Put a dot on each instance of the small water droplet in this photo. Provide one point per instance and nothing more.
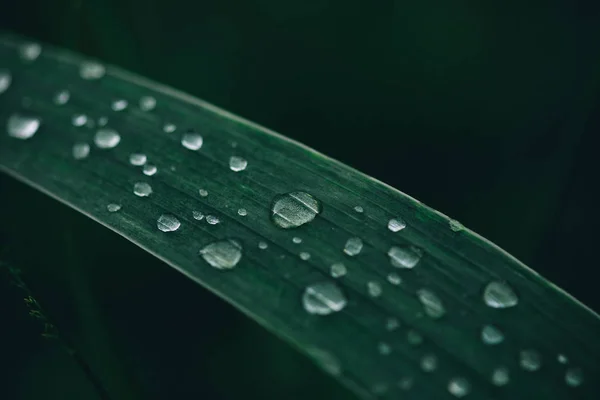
(574, 376)
(30, 51)
(169, 128)
(91, 70)
(147, 103)
(391, 324)
(102, 121)
(203, 192)
(237, 164)
(223, 254)
(191, 140)
(431, 303)
(353, 246)
(491, 335)
(119, 104)
(405, 383)
(394, 278)
(167, 223)
(459, 387)
(338, 270)
(384, 348)
(455, 226)
(80, 151)
(304, 255)
(262, 245)
(374, 289)
(106, 138)
(294, 209)
(499, 295)
(212, 220)
(297, 240)
(530, 360)
(61, 97)
(326, 361)
(242, 212)
(562, 359)
(5, 80)
(79, 119)
(500, 376)
(197, 215)
(22, 126)
(414, 338)
(137, 159)
(405, 256)
(396, 224)
(142, 189)
(359, 209)
(149, 169)
(323, 298)
(429, 363)
(113, 207)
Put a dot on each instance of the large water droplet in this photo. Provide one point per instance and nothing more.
(5, 80)
(396, 224)
(147, 103)
(353, 246)
(113, 207)
(429, 363)
(191, 140)
(530, 360)
(432, 304)
(323, 298)
(405, 256)
(91, 70)
(79, 119)
(374, 289)
(224, 254)
(22, 126)
(212, 220)
(80, 151)
(499, 295)
(106, 138)
(61, 97)
(149, 169)
(491, 335)
(294, 209)
(167, 223)
(574, 376)
(119, 104)
(338, 270)
(137, 159)
(142, 189)
(237, 164)
(30, 51)
(459, 387)
(500, 376)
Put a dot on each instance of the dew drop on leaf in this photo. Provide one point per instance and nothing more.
(212, 220)
(149, 169)
(5, 80)
(396, 224)
(499, 295)
(491, 335)
(61, 97)
(223, 254)
(237, 164)
(323, 298)
(242, 212)
(119, 104)
(405, 256)
(338, 270)
(304, 255)
(80, 151)
(562, 359)
(530, 360)
(262, 245)
(359, 209)
(142, 189)
(147, 103)
(203, 192)
(394, 278)
(30, 51)
(113, 207)
(391, 324)
(459, 387)
(197, 215)
(574, 377)
(137, 159)
(384, 348)
(294, 209)
(297, 240)
(374, 289)
(106, 138)
(168, 128)
(22, 126)
(353, 246)
(191, 140)
(500, 376)
(79, 119)
(167, 223)
(432, 304)
(91, 70)
(429, 363)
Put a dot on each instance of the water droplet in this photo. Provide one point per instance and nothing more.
(459, 387)
(203, 192)
(5, 80)
(197, 215)
(429, 363)
(491, 335)
(91, 70)
(169, 128)
(102, 121)
(574, 376)
(22, 126)
(80, 151)
(530, 360)
(191, 140)
(262, 245)
(394, 278)
(297, 240)
(374, 289)
(323, 298)
(396, 224)
(79, 119)
(142, 189)
(167, 223)
(137, 159)
(61, 97)
(113, 207)
(304, 255)
(294, 209)
(212, 220)
(223, 254)
(149, 169)
(405, 383)
(338, 270)
(500, 376)
(499, 295)
(456, 226)
(237, 164)
(30, 51)
(405, 256)
(353, 246)
(414, 338)
(431, 303)
(391, 324)
(384, 348)
(106, 138)
(119, 104)
(562, 359)
(326, 360)
(242, 212)
(147, 103)
(359, 209)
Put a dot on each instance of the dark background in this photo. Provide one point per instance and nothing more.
(485, 110)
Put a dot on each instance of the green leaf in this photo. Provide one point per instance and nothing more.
(408, 314)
